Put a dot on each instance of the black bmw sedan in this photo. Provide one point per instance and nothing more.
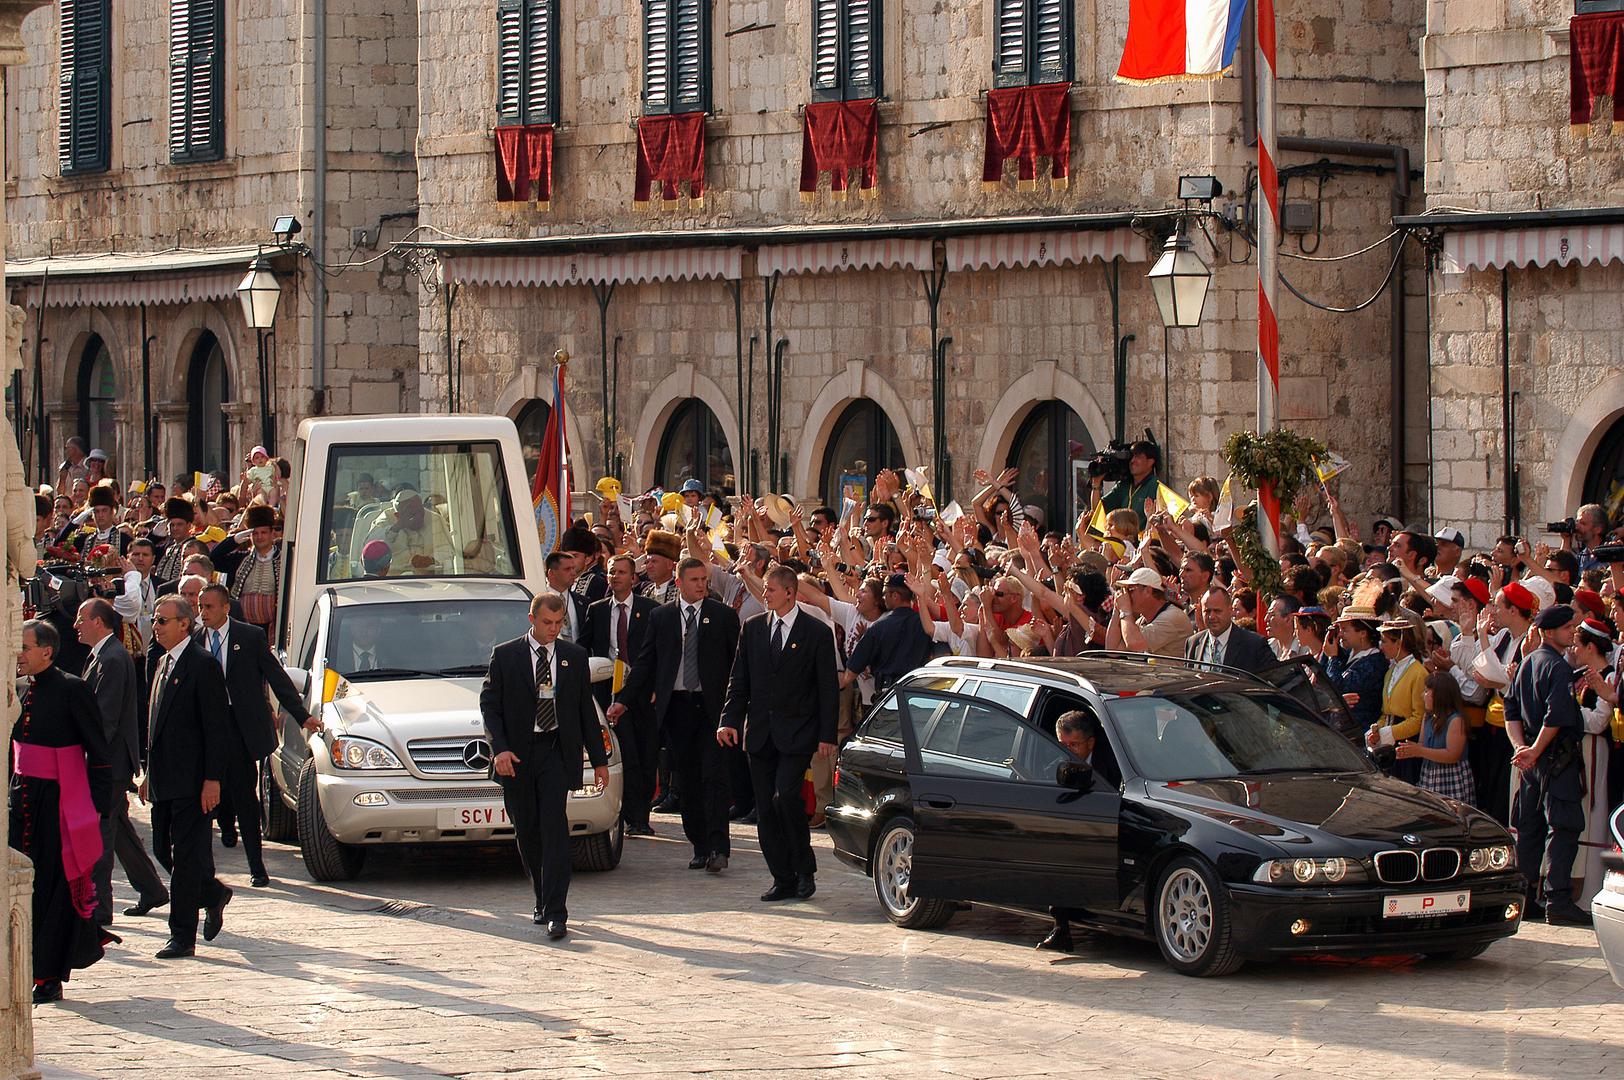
(1214, 814)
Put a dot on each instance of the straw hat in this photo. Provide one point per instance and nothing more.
(1362, 607)
(778, 509)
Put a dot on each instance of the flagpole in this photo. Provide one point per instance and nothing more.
(1268, 234)
(561, 360)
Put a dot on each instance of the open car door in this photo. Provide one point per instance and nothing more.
(1304, 679)
(992, 823)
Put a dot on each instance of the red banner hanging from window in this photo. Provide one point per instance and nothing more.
(524, 164)
(1597, 44)
(1025, 123)
(670, 151)
(839, 138)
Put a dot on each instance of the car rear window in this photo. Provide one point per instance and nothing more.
(1204, 736)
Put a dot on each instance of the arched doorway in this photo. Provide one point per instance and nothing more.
(98, 390)
(1604, 480)
(1049, 449)
(861, 443)
(208, 429)
(694, 446)
(532, 425)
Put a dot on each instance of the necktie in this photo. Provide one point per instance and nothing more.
(621, 631)
(158, 689)
(214, 647)
(364, 660)
(778, 638)
(546, 714)
(690, 651)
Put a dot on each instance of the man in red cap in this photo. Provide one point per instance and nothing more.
(375, 558)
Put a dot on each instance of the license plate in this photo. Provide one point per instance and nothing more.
(1449, 903)
(473, 817)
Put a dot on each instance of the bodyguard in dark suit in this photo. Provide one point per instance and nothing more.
(783, 698)
(1545, 729)
(538, 710)
(682, 671)
(186, 762)
(244, 655)
(1222, 642)
(615, 629)
(110, 674)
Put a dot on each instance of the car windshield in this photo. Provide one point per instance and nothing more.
(417, 510)
(428, 638)
(1204, 736)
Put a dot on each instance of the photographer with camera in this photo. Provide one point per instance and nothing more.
(1133, 467)
(1582, 532)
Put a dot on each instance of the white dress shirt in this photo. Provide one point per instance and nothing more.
(552, 656)
(225, 642)
(787, 620)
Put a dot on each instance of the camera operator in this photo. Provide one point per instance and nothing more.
(1585, 530)
(1144, 458)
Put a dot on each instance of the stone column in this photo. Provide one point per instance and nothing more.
(16, 522)
(173, 418)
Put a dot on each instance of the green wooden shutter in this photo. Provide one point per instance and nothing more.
(509, 62)
(1051, 41)
(690, 56)
(826, 50)
(540, 63)
(196, 80)
(84, 134)
(1010, 43)
(657, 56)
(863, 57)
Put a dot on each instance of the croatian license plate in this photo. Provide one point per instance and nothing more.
(473, 817)
(1450, 903)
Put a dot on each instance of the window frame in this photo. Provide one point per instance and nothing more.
(700, 100)
(186, 151)
(1595, 7)
(73, 158)
(521, 114)
(843, 88)
(1031, 72)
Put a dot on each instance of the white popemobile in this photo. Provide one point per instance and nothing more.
(411, 553)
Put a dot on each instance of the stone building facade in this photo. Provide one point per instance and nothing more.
(1030, 364)
(128, 269)
(1527, 216)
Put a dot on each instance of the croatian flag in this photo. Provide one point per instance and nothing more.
(1180, 39)
(550, 490)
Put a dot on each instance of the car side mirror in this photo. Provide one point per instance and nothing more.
(300, 679)
(1076, 775)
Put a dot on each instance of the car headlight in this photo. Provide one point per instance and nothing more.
(1490, 860)
(1331, 871)
(349, 752)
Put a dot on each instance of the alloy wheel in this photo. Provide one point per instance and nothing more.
(1186, 915)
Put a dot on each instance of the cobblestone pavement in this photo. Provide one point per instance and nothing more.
(428, 966)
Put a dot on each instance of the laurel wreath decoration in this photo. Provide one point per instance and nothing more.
(1283, 459)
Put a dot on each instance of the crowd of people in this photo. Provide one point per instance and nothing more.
(748, 637)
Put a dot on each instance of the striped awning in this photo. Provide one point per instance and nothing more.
(994, 250)
(833, 255)
(674, 264)
(129, 279)
(1468, 249)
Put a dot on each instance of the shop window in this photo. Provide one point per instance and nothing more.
(208, 430)
(862, 442)
(1051, 451)
(98, 390)
(694, 447)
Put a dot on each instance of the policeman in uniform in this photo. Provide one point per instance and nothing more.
(1545, 728)
(894, 645)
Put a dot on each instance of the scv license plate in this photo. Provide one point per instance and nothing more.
(473, 817)
(1450, 903)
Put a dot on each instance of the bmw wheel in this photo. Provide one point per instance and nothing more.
(1191, 920)
(892, 866)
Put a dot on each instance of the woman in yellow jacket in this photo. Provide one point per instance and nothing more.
(1402, 705)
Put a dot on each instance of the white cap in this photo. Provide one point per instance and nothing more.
(1543, 590)
(1147, 577)
(1450, 535)
(1442, 591)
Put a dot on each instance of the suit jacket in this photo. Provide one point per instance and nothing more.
(250, 668)
(111, 676)
(507, 702)
(1245, 649)
(600, 634)
(659, 659)
(187, 741)
(790, 703)
(577, 614)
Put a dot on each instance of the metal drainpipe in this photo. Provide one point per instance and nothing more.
(1506, 418)
(1432, 458)
(318, 232)
(741, 452)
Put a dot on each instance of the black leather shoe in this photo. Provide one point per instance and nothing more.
(805, 886)
(259, 881)
(639, 830)
(698, 862)
(734, 813)
(716, 864)
(174, 950)
(228, 837)
(47, 991)
(215, 917)
(1059, 939)
(666, 806)
(145, 905)
(752, 818)
(556, 930)
(538, 918)
(779, 891)
(1569, 914)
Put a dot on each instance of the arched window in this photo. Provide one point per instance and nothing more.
(861, 443)
(1050, 448)
(208, 388)
(1604, 480)
(98, 389)
(694, 447)
(532, 425)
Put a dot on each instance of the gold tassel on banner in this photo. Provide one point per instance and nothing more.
(869, 193)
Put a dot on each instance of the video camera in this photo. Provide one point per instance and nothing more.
(1111, 464)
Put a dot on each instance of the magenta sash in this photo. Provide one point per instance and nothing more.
(80, 824)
